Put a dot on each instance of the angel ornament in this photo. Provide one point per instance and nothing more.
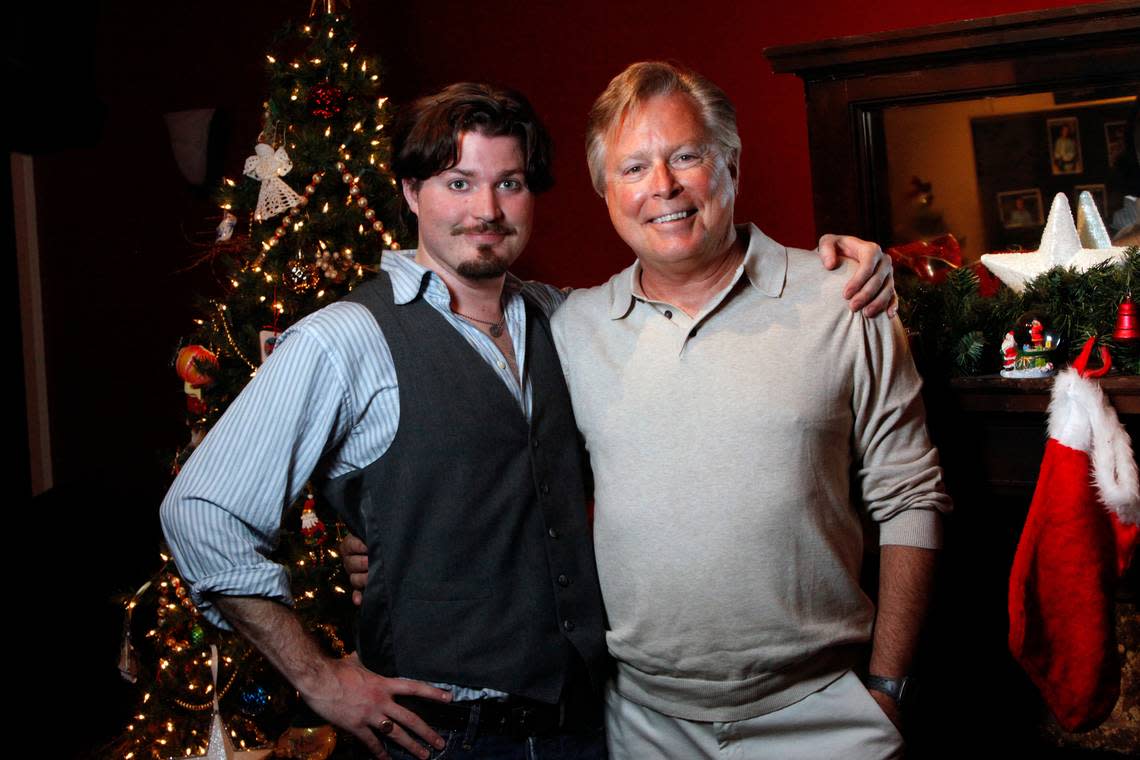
(269, 166)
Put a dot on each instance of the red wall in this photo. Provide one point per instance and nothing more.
(563, 54)
(119, 226)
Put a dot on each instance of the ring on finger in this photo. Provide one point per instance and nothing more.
(385, 726)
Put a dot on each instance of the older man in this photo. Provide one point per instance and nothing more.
(730, 405)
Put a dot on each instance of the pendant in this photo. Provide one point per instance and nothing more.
(497, 330)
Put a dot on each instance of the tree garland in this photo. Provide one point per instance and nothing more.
(955, 331)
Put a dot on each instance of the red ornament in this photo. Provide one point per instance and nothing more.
(1126, 329)
(195, 405)
(930, 260)
(325, 100)
(193, 363)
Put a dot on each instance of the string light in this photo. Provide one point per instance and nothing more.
(271, 59)
(328, 131)
(228, 181)
(230, 338)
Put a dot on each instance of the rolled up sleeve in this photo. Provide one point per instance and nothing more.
(222, 515)
(898, 470)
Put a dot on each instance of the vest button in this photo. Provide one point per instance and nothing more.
(534, 443)
(563, 581)
(544, 488)
(568, 625)
(668, 314)
(552, 533)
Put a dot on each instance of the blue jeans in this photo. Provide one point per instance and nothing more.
(471, 744)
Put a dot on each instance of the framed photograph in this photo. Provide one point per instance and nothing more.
(1098, 194)
(1065, 145)
(1116, 140)
(1020, 208)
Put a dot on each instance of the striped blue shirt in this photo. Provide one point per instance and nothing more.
(326, 398)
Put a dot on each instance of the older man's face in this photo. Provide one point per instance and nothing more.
(669, 191)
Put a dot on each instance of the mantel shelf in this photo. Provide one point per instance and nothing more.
(993, 393)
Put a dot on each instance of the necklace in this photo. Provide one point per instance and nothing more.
(495, 328)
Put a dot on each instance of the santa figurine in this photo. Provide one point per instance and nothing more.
(1009, 351)
(1037, 334)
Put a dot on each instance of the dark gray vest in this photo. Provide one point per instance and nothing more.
(481, 567)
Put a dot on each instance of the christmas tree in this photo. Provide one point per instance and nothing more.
(308, 220)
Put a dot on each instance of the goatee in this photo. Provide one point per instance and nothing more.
(487, 267)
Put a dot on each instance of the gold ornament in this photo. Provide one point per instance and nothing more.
(315, 743)
(300, 276)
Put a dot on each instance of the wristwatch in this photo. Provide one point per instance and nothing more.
(895, 688)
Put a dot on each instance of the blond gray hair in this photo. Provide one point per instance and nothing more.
(648, 79)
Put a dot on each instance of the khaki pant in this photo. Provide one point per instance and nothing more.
(838, 722)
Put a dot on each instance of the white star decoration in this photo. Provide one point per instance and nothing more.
(1061, 245)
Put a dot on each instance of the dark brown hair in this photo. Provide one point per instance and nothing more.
(425, 138)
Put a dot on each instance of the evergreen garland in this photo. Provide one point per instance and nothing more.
(957, 332)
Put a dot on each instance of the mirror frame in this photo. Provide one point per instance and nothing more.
(848, 81)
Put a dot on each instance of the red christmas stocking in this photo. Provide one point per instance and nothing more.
(1078, 539)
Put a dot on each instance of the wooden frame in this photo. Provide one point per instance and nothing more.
(849, 81)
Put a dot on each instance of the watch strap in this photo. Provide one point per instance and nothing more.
(895, 688)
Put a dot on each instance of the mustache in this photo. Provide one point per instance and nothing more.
(494, 228)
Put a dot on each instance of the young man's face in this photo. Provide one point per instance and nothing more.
(476, 217)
